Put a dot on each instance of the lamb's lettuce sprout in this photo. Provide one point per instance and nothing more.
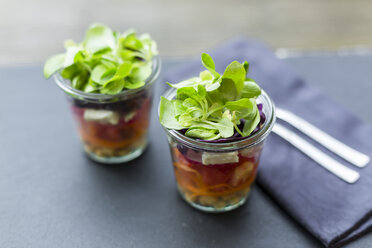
(105, 61)
(212, 106)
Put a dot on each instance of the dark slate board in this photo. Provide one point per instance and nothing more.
(51, 195)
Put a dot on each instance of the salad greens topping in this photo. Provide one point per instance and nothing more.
(105, 61)
(211, 106)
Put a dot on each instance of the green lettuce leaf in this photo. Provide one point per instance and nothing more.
(167, 113)
(54, 64)
(236, 73)
(251, 122)
(105, 61)
(250, 89)
(212, 106)
(208, 63)
(202, 133)
(99, 38)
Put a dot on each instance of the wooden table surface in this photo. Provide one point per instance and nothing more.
(31, 31)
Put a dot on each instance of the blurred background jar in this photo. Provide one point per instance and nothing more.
(113, 128)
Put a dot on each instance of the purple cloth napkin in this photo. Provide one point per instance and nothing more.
(333, 211)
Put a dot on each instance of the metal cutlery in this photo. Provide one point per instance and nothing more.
(349, 154)
(338, 169)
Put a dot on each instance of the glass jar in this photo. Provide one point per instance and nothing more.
(113, 128)
(217, 177)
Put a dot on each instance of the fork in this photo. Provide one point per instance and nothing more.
(333, 166)
(349, 154)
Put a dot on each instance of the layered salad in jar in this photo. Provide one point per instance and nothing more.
(108, 78)
(216, 126)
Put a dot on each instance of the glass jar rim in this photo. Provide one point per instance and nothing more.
(228, 146)
(65, 85)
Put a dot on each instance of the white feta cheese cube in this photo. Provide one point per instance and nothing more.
(220, 157)
(129, 116)
(242, 173)
(101, 116)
